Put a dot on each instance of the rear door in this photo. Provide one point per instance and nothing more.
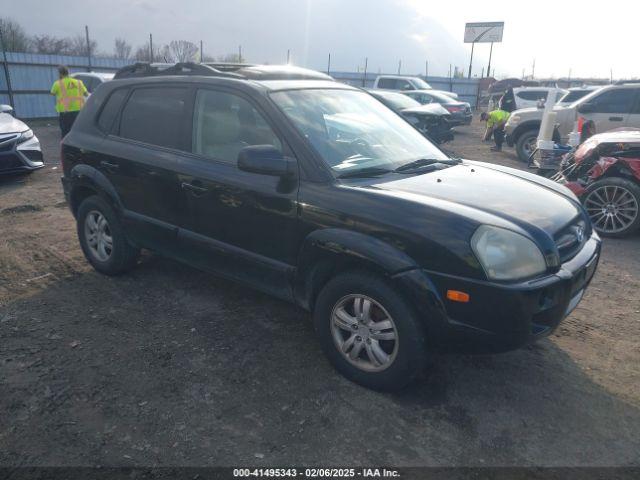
(141, 155)
(242, 224)
(633, 120)
(612, 108)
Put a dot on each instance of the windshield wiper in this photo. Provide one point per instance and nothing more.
(365, 172)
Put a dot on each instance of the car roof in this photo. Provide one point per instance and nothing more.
(101, 75)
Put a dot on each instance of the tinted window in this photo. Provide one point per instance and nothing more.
(155, 116)
(111, 109)
(532, 95)
(403, 85)
(574, 95)
(387, 83)
(223, 124)
(614, 101)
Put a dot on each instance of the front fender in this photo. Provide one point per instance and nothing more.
(326, 251)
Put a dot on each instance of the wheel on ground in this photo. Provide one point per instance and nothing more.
(614, 206)
(102, 238)
(526, 144)
(369, 332)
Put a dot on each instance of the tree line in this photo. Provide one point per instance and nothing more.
(16, 39)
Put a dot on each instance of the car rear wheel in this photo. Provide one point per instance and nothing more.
(368, 332)
(526, 144)
(102, 238)
(614, 206)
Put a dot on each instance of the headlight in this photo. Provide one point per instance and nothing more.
(514, 119)
(506, 255)
(28, 135)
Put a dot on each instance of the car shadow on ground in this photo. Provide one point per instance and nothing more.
(171, 366)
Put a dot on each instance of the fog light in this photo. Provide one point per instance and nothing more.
(456, 296)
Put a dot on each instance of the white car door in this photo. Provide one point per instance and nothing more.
(611, 109)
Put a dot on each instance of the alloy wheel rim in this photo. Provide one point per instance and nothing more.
(612, 208)
(530, 146)
(364, 333)
(98, 236)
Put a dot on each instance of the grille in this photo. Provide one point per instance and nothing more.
(33, 155)
(570, 239)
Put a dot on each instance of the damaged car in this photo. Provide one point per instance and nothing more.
(20, 150)
(604, 172)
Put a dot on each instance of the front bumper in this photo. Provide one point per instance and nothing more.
(20, 157)
(501, 317)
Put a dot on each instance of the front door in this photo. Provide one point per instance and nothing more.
(612, 108)
(242, 224)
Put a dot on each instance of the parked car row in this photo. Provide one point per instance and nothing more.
(20, 150)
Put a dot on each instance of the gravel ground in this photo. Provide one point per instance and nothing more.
(169, 366)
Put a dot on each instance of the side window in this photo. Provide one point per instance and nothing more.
(223, 124)
(559, 95)
(532, 95)
(387, 83)
(614, 101)
(111, 109)
(426, 98)
(636, 108)
(156, 116)
(403, 85)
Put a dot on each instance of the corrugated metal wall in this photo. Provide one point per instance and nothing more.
(33, 74)
(467, 89)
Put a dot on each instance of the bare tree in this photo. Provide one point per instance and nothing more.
(182, 50)
(15, 38)
(122, 49)
(78, 46)
(50, 45)
(142, 54)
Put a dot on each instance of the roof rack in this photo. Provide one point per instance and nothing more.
(228, 66)
(146, 69)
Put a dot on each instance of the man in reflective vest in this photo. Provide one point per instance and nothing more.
(69, 93)
(496, 121)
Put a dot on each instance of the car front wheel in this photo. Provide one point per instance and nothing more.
(368, 332)
(102, 238)
(614, 206)
(526, 144)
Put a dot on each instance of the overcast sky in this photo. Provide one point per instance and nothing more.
(560, 35)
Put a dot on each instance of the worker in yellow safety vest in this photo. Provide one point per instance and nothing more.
(69, 93)
(496, 121)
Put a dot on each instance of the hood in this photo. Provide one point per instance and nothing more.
(428, 109)
(523, 201)
(10, 124)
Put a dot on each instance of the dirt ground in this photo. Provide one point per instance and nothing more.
(170, 366)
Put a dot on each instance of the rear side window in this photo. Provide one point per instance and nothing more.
(111, 109)
(387, 83)
(155, 116)
(532, 95)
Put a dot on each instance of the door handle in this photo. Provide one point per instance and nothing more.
(615, 119)
(109, 166)
(195, 189)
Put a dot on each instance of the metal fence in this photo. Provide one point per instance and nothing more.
(467, 89)
(31, 76)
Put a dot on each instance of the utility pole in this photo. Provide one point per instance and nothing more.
(288, 56)
(86, 34)
(201, 54)
(569, 79)
(471, 60)
(611, 75)
(151, 48)
(329, 64)
(399, 66)
(364, 78)
(482, 76)
(489, 66)
(426, 68)
(239, 53)
(6, 69)
(533, 69)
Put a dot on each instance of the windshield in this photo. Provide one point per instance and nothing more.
(397, 101)
(420, 84)
(574, 95)
(351, 130)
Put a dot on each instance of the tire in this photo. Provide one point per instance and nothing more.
(613, 204)
(522, 144)
(406, 352)
(118, 257)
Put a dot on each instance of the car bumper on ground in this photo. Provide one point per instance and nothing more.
(500, 317)
(20, 157)
(458, 119)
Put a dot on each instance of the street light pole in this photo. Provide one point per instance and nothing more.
(471, 60)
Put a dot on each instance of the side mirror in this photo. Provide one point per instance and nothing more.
(6, 109)
(265, 160)
(586, 108)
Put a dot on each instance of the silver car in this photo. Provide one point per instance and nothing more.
(20, 150)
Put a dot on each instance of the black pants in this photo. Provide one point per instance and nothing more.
(66, 121)
(498, 136)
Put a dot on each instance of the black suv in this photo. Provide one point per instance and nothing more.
(315, 192)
